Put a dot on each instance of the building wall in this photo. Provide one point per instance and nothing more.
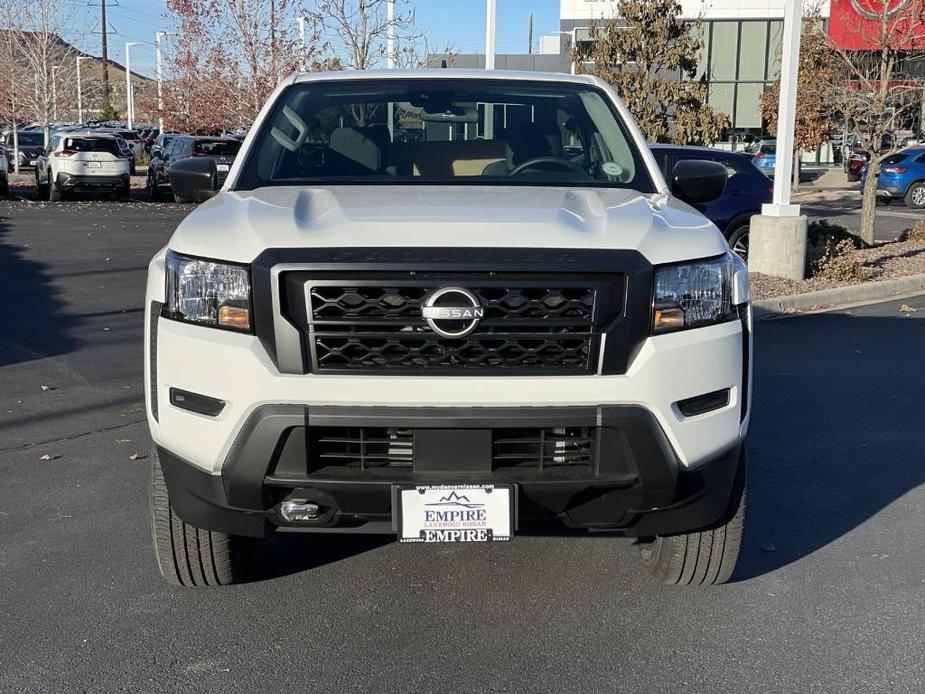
(741, 53)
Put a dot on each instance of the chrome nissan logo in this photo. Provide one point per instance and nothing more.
(452, 312)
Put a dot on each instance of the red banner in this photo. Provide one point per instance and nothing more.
(856, 24)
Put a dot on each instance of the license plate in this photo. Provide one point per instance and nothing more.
(221, 167)
(93, 165)
(463, 513)
(32, 162)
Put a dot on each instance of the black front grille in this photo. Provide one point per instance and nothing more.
(349, 303)
(531, 324)
(369, 448)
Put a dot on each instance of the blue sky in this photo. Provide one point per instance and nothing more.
(460, 23)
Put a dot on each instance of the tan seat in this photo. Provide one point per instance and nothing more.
(447, 159)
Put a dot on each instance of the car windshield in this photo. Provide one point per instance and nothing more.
(217, 148)
(31, 139)
(432, 131)
(91, 144)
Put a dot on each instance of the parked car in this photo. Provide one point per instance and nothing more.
(746, 190)
(901, 177)
(129, 140)
(4, 174)
(89, 162)
(31, 144)
(447, 340)
(221, 151)
(160, 142)
(764, 153)
(857, 157)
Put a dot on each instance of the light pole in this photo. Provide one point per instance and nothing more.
(80, 105)
(489, 64)
(129, 98)
(302, 62)
(390, 36)
(158, 37)
(54, 92)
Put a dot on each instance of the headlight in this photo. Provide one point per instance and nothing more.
(690, 295)
(208, 293)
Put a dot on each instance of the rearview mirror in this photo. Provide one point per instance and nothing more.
(698, 180)
(193, 178)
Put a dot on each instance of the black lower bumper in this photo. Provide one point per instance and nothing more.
(92, 183)
(632, 484)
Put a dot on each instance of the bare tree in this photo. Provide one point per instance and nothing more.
(881, 86)
(228, 55)
(46, 61)
(12, 109)
(358, 31)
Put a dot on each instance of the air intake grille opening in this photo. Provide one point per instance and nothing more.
(543, 448)
(368, 448)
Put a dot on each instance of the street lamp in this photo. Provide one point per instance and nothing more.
(158, 37)
(129, 97)
(54, 92)
(302, 62)
(80, 105)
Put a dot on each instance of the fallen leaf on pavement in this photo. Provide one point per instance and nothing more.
(769, 547)
(49, 457)
(905, 308)
(136, 456)
(49, 388)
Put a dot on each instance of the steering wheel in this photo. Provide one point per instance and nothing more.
(562, 163)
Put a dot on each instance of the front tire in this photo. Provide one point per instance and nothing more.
(706, 557)
(187, 555)
(915, 196)
(54, 193)
(738, 242)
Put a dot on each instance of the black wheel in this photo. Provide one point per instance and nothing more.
(883, 201)
(178, 199)
(915, 196)
(707, 557)
(131, 168)
(41, 189)
(54, 193)
(187, 555)
(738, 241)
(5, 189)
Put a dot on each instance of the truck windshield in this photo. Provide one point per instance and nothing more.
(444, 131)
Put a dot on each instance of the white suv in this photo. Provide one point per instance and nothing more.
(447, 306)
(91, 162)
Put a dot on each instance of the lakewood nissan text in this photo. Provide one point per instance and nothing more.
(447, 306)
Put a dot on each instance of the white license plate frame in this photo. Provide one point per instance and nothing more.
(455, 513)
(222, 168)
(94, 165)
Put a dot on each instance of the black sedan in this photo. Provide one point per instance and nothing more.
(223, 150)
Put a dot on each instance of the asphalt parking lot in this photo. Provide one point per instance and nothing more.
(829, 596)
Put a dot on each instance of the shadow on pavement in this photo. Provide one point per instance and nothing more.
(35, 324)
(283, 554)
(835, 433)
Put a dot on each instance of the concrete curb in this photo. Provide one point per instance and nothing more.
(837, 296)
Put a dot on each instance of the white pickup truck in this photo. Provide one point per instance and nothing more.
(447, 305)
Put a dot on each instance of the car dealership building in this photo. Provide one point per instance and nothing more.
(740, 55)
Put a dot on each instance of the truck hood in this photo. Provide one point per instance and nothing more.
(238, 226)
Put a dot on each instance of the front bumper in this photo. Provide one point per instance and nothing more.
(79, 182)
(635, 485)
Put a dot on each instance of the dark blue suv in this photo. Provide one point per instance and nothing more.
(746, 190)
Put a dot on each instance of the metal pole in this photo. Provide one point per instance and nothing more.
(574, 48)
(160, 80)
(129, 97)
(490, 35)
(302, 62)
(128, 84)
(786, 114)
(54, 92)
(390, 36)
(80, 106)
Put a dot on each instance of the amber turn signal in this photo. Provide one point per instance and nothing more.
(234, 317)
(668, 319)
